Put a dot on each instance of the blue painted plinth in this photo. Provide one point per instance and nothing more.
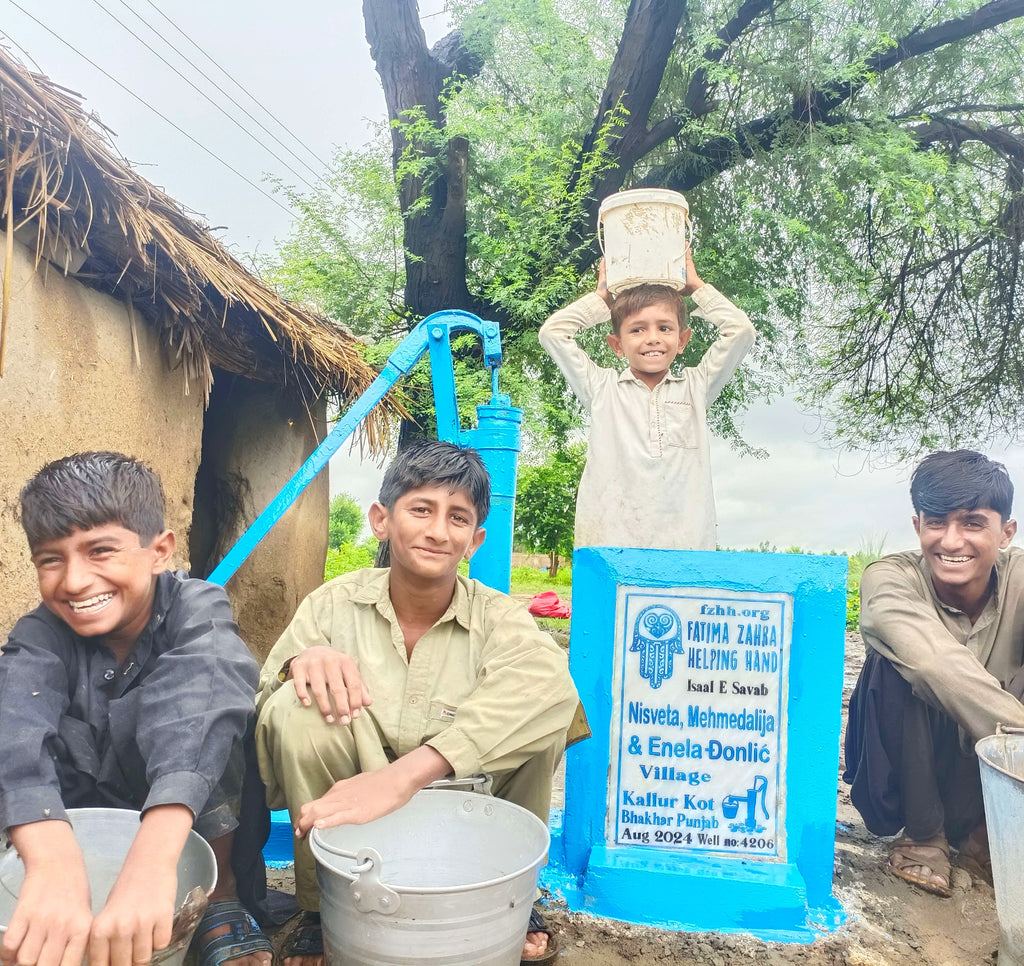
(713, 686)
(279, 853)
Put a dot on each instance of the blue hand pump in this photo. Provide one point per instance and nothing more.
(497, 438)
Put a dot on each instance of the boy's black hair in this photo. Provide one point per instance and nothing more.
(88, 490)
(632, 300)
(960, 480)
(435, 463)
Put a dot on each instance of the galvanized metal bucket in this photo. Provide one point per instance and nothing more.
(1002, 783)
(105, 835)
(447, 880)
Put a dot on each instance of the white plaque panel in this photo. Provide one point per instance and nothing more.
(698, 731)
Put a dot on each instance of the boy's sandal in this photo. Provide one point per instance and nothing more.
(243, 938)
(539, 924)
(306, 939)
(923, 864)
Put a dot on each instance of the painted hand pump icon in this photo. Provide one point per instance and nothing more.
(731, 806)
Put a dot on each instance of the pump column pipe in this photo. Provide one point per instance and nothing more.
(496, 438)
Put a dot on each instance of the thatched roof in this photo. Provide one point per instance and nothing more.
(76, 197)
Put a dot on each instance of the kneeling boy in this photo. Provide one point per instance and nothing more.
(127, 688)
(387, 680)
(943, 627)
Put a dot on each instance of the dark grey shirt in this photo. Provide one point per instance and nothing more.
(157, 731)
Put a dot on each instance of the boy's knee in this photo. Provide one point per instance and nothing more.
(290, 736)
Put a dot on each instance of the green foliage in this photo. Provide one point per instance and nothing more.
(869, 219)
(343, 255)
(349, 557)
(346, 521)
(546, 501)
(870, 551)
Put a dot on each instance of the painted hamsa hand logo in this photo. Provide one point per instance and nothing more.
(657, 635)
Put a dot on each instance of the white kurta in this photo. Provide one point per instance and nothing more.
(647, 481)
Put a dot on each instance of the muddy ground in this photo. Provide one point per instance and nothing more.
(889, 921)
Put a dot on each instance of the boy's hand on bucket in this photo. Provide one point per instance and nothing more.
(51, 922)
(332, 680)
(365, 797)
(693, 280)
(136, 921)
(139, 913)
(602, 284)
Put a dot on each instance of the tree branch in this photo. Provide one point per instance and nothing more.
(413, 77)
(722, 153)
(634, 80)
(454, 57)
(698, 100)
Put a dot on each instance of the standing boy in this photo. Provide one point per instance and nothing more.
(128, 687)
(647, 481)
(943, 627)
(460, 678)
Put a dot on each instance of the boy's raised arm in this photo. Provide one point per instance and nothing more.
(736, 333)
(558, 338)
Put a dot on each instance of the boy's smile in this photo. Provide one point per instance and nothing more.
(101, 581)
(430, 530)
(649, 340)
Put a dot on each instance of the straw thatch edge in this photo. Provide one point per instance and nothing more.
(103, 224)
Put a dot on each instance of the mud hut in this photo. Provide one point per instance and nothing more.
(126, 325)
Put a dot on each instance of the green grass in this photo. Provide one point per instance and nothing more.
(530, 580)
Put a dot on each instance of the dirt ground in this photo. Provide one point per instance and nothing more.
(889, 921)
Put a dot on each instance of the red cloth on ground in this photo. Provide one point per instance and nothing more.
(547, 604)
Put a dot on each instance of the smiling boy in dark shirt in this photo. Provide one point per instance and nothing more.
(128, 687)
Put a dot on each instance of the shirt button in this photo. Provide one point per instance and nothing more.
(108, 674)
(414, 700)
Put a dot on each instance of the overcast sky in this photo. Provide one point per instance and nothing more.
(307, 64)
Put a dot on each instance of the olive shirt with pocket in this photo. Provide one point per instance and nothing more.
(647, 481)
(485, 687)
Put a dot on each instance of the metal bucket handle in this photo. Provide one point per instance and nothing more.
(368, 893)
(1002, 729)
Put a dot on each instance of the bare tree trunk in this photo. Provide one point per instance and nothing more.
(414, 79)
(553, 565)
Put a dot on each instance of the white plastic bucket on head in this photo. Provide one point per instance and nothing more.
(104, 836)
(1001, 757)
(447, 880)
(644, 234)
